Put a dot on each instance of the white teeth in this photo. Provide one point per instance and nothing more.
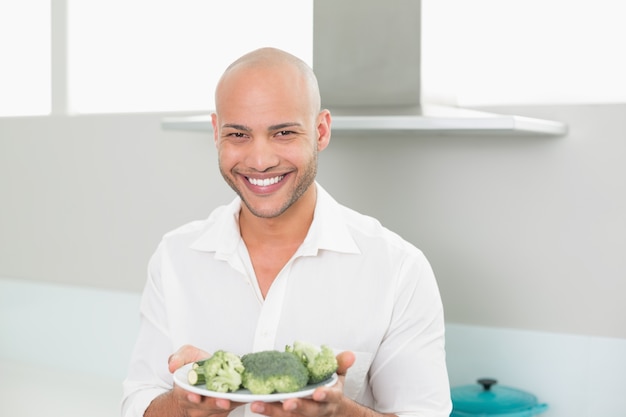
(265, 182)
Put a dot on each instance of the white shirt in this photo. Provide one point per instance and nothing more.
(352, 285)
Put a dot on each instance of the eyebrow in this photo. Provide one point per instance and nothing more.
(237, 127)
(282, 126)
(245, 128)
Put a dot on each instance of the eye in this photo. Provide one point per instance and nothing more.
(285, 133)
(236, 136)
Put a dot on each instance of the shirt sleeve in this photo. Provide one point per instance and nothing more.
(409, 374)
(148, 375)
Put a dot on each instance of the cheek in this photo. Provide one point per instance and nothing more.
(224, 157)
(299, 157)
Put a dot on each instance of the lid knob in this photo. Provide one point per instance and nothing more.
(487, 383)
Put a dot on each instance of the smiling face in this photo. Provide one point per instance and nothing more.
(268, 131)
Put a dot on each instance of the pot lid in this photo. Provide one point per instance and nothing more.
(485, 398)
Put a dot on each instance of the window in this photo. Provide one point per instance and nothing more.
(146, 55)
(24, 57)
(484, 52)
(166, 55)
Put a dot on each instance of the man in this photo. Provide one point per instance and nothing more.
(285, 262)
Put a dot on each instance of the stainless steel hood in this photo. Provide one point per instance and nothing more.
(366, 55)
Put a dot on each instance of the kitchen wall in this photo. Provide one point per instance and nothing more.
(85, 199)
(523, 232)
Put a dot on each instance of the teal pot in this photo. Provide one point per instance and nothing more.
(486, 399)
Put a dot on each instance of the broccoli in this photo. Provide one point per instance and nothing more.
(222, 371)
(272, 371)
(320, 361)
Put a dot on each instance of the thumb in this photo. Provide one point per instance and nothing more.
(186, 354)
(344, 361)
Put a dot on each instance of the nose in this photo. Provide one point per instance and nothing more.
(261, 155)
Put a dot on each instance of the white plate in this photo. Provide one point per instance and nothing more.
(243, 395)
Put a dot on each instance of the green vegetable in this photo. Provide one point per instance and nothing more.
(221, 372)
(195, 376)
(320, 361)
(272, 371)
(198, 364)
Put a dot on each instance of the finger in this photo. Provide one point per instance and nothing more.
(192, 401)
(290, 405)
(308, 407)
(267, 409)
(320, 394)
(276, 409)
(194, 398)
(186, 354)
(223, 404)
(344, 361)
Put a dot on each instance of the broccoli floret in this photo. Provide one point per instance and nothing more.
(272, 371)
(320, 361)
(222, 372)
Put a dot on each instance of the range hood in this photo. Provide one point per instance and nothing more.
(367, 58)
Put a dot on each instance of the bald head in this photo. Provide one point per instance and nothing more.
(267, 64)
(268, 126)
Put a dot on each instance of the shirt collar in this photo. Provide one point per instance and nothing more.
(221, 232)
(328, 230)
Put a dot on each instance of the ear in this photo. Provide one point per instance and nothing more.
(216, 133)
(324, 120)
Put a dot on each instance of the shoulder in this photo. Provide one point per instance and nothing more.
(368, 232)
(188, 233)
(365, 228)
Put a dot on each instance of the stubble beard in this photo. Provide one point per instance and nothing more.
(302, 185)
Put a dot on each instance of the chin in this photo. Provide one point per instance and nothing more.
(265, 211)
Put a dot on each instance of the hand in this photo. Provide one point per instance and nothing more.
(184, 355)
(325, 401)
(179, 402)
(194, 405)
